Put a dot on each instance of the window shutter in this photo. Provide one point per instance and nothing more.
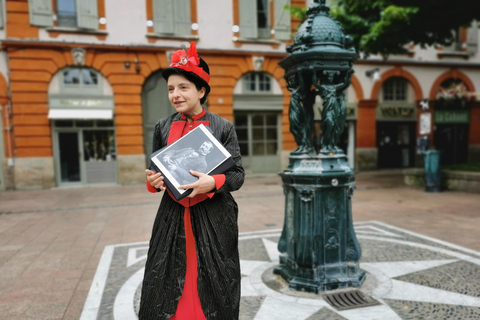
(87, 14)
(472, 38)
(1, 23)
(282, 20)
(40, 12)
(183, 20)
(248, 19)
(163, 16)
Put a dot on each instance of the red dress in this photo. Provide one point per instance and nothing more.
(189, 307)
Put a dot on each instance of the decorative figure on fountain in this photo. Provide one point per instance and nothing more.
(334, 108)
(300, 115)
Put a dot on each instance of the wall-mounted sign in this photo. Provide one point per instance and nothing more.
(76, 102)
(425, 123)
(396, 111)
(452, 116)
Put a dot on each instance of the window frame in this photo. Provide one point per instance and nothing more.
(279, 22)
(153, 34)
(44, 14)
(247, 82)
(396, 83)
(80, 88)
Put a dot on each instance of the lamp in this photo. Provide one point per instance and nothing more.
(374, 73)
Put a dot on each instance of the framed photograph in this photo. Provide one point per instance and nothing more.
(199, 151)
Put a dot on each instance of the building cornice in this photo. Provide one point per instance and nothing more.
(15, 44)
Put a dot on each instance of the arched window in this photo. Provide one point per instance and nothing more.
(257, 82)
(395, 89)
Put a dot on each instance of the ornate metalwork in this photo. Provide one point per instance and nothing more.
(318, 245)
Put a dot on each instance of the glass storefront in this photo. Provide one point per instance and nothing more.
(85, 151)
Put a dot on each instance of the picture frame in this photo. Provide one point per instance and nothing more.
(199, 151)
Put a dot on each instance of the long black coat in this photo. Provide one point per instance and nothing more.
(214, 224)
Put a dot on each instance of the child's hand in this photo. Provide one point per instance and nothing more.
(155, 179)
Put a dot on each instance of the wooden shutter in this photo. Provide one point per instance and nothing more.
(87, 14)
(163, 16)
(282, 20)
(40, 12)
(248, 19)
(472, 38)
(183, 20)
(1, 27)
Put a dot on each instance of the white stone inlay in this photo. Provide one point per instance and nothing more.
(413, 292)
(272, 249)
(274, 309)
(400, 268)
(133, 255)
(123, 307)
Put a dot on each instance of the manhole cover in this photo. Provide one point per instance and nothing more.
(349, 300)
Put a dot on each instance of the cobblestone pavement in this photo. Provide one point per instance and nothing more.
(78, 253)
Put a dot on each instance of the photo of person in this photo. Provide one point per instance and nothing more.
(181, 161)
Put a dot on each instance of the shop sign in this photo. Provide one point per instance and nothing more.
(396, 112)
(452, 116)
(76, 103)
(82, 103)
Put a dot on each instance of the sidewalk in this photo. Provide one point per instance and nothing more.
(52, 243)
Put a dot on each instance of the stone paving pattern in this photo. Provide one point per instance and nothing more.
(51, 241)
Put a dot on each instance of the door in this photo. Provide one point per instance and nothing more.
(69, 157)
(99, 156)
(452, 141)
(85, 156)
(258, 136)
(396, 144)
(155, 106)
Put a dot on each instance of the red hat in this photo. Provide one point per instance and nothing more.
(188, 63)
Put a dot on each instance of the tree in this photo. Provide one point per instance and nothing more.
(388, 26)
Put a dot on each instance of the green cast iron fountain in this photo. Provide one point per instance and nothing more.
(318, 245)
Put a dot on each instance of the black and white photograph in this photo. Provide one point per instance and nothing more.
(199, 151)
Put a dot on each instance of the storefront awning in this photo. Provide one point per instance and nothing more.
(80, 113)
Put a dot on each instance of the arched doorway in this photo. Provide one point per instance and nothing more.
(258, 104)
(396, 122)
(155, 106)
(81, 111)
(452, 121)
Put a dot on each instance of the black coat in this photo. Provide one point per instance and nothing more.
(214, 224)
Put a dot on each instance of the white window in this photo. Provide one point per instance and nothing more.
(82, 14)
(172, 18)
(465, 40)
(395, 89)
(255, 19)
(80, 81)
(257, 82)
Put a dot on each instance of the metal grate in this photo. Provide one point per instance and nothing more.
(349, 300)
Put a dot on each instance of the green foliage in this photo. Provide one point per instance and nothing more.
(475, 167)
(388, 26)
(297, 12)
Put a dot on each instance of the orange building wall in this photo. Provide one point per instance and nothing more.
(7, 141)
(18, 22)
(31, 71)
(367, 124)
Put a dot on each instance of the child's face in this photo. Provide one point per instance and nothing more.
(184, 96)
